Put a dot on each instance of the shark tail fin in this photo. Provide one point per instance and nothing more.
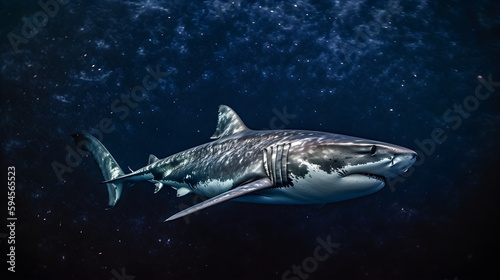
(108, 165)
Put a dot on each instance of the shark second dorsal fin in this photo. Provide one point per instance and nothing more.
(152, 159)
(229, 123)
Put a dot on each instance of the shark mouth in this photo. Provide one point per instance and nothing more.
(345, 173)
(369, 175)
(373, 176)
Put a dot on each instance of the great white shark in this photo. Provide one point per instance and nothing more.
(262, 166)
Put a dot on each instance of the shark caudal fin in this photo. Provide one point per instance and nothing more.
(108, 165)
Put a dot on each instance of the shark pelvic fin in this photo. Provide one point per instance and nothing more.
(182, 191)
(228, 123)
(251, 187)
(158, 186)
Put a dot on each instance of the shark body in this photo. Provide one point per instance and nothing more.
(262, 166)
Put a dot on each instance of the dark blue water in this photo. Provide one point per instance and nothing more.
(403, 72)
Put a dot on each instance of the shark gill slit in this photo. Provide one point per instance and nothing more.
(266, 163)
(284, 164)
(276, 164)
(273, 164)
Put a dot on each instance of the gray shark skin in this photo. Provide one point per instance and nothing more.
(262, 166)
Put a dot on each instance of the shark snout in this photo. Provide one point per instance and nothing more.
(401, 161)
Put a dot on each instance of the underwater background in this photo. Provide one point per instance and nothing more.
(420, 74)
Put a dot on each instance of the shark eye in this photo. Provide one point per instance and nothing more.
(373, 150)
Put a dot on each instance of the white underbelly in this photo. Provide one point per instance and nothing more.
(317, 187)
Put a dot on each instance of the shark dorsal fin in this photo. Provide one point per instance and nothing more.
(229, 123)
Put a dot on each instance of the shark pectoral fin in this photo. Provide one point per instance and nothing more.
(254, 186)
(182, 191)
